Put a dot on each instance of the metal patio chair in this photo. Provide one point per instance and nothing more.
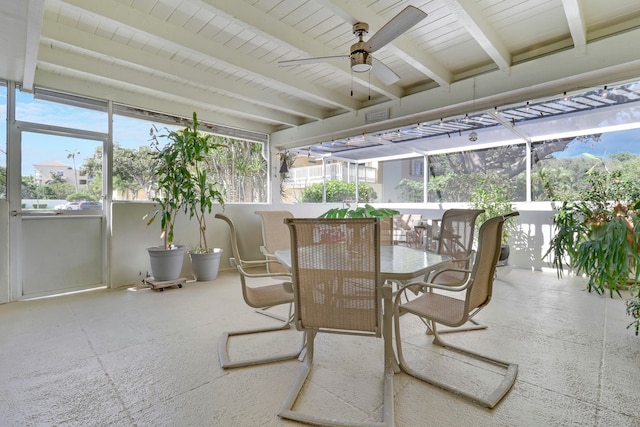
(439, 304)
(258, 297)
(337, 288)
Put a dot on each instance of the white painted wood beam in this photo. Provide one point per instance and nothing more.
(548, 75)
(577, 26)
(51, 76)
(35, 13)
(160, 82)
(471, 17)
(142, 22)
(190, 75)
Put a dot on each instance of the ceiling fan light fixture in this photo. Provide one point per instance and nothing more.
(360, 59)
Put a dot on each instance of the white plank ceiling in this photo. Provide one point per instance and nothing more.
(220, 57)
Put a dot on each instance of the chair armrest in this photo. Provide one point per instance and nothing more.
(456, 270)
(265, 252)
(424, 286)
(258, 275)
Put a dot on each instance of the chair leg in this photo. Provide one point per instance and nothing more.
(287, 412)
(223, 350)
(475, 327)
(488, 401)
(264, 312)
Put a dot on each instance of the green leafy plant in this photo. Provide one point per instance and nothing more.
(366, 211)
(410, 190)
(183, 183)
(493, 196)
(599, 235)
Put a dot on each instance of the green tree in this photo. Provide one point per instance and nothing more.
(132, 169)
(241, 169)
(3, 181)
(410, 190)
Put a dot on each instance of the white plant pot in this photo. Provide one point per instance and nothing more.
(205, 266)
(166, 264)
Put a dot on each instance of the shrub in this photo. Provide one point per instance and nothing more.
(338, 191)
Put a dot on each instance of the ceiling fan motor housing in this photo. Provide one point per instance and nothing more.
(360, 28)
(360, 58)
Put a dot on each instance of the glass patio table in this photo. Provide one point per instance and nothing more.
(397, 263)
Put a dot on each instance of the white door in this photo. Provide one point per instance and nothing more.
(59, 246)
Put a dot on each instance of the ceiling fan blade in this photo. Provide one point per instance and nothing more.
(311, 60)
(383, 73)
(400, 23)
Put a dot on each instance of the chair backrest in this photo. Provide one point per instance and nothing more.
(404, 223)
(386, 231)
(336, 283)
(275, 235)
(457, 229)
(484, 267)
(235, 260)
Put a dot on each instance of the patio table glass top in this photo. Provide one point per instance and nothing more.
(399, 263)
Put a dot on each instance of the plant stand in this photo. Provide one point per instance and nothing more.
(160, 285)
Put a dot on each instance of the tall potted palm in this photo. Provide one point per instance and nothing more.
(183, 185)
(166, 259)
(200, 191)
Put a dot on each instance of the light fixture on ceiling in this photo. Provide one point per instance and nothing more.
(605, 92)
(566, 98)
(473, 136)
(528, 107)
(284, 168)
(360, 57)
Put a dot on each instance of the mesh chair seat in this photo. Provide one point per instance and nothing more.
(441, 308)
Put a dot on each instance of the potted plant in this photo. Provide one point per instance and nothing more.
(181, 167)
(166, 260)
(493, 196)
(599, 235)
(199, 193)
(367, 211)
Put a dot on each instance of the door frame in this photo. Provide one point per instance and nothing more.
(14, 193)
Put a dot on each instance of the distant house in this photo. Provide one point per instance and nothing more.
(45, 171)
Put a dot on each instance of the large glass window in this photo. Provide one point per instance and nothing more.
(64, 110)
(240, 168)
(317, 180)
(453, 177)
(561, 165)
(132, 157)
(402, 181)
(57, 169)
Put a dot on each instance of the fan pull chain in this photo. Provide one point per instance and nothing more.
(351, 82)
(369, 85)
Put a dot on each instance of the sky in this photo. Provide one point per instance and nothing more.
(611, 142)
(38, 147)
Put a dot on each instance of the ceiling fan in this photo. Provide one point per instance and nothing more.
(361, 56)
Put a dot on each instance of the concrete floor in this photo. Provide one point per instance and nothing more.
(139, 357)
